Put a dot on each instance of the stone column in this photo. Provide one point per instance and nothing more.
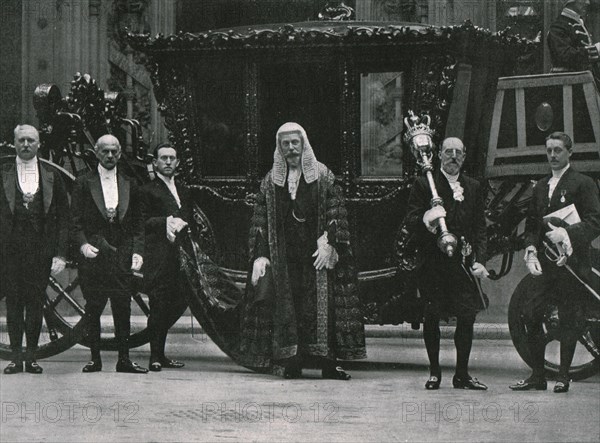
(449, 12)
(38, 43)
(162, 20)
(10, 68)
(60, 38)
(386, 10)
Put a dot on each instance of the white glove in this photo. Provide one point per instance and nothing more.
(479, 271)
(560, 237)
(556, 235)
(259, 269)
(533, 264)
(174, 225)
(432, 215)
(597, 45)
(136, 262)
(58, 265)
(89, 251)
(325, 253)
(171, 237)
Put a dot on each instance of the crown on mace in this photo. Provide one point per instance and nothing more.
(417, 125)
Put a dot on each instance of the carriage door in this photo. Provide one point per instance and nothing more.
(306, 93)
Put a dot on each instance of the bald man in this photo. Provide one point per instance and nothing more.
(447, 284)
(107, 227)
(34, 229)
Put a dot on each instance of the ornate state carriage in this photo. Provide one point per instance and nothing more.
(349, 84)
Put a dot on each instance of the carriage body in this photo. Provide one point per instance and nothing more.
(224, 93)
(349, 84)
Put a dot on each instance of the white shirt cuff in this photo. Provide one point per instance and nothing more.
(567, 244)
(530, 249)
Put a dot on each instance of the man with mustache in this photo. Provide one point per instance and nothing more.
(444, 282)
(34, 231)
(301, 307)
(167, 209)
(553, 283)
(107, 227)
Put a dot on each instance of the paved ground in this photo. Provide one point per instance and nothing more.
(213, 399)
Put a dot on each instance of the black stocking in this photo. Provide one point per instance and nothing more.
(431, 336)
(463, 340)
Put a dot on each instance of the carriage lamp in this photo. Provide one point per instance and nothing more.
(419, 136)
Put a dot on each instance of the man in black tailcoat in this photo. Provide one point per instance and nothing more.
(447, 284)
(34, 228)
(167, 209)
(554, 284)
(107, 227)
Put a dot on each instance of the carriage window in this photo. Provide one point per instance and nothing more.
(381, 123)
(220, 119)
(305, 93)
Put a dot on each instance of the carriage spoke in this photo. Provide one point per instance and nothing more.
(588, 342)
(141, 303)
(50, 325)
(63, 294)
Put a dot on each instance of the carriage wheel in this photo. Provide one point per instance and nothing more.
(64, 323)
(57, 334)
(587, 356)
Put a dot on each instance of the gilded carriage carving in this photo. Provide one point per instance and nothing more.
(224, 92)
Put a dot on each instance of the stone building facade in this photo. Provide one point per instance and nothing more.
(48, 41)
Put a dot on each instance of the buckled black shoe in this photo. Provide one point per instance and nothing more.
(92, 366)
(14, 367)
(155, 366)
(530, 384)
(433, 382)
(468, 382)
(33, 368)
(561, 386)
(127, 366)
(173, 364)
(335, 373)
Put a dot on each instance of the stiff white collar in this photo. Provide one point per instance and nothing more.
(558, 174)
(168, 180)
(28, 175)
(29, 162)
(450, 178)
(107, 173)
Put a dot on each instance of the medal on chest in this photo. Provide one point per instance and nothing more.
(111, 213)
(28, 198)
(562, 196)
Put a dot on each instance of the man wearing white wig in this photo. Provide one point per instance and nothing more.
(301, 307)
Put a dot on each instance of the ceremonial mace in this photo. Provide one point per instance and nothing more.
(418, 136)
